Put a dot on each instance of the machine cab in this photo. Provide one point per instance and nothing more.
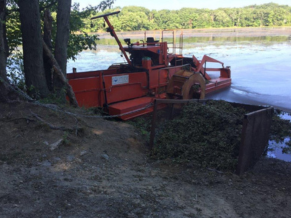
(151, 51)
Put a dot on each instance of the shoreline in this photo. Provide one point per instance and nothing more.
(213, 32)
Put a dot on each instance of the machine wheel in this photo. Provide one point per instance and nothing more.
(194, 87)
(187, 85)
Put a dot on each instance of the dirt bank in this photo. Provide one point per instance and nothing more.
(101, 169)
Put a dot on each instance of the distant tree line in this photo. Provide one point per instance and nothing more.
(133, 18)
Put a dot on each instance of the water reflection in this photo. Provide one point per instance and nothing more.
(95, 60)
(275, 149)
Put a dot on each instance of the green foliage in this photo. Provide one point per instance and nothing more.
(80, 42)
(143, 124)
(205, 135)
(54, 98)
(139, 18)
(77, 42)
(79, 38)
(32, 91)
(66, 140)
(13, 27)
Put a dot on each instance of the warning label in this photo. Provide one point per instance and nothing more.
(116, 80)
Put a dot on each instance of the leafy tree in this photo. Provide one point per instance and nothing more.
(269, 16)
(232, 14)
(221, 19)
(188, 18)
(29, 14)
(204, 20)
(280, 17)
(136, 18)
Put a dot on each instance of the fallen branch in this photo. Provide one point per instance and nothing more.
(59, 73)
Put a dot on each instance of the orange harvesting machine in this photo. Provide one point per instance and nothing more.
(153, 70)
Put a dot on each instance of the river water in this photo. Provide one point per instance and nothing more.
(261, 69)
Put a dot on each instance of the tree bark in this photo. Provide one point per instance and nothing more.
(3, 76)
(47, 37)
(2, 45)
(32, 47)
(47, 28)
(62, 78)
(62, 38)
(63, 31)
(6, 46)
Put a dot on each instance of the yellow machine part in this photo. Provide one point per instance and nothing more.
(182, 83)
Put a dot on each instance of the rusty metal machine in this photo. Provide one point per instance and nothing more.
(151, 71)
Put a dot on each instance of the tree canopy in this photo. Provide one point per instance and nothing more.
(134, 18)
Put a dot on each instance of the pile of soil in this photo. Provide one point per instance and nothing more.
(101, 169)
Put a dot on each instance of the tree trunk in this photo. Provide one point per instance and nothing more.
(62, 38)
(32, 48)
(2, 45)
(47, 29)
(63, 31)
(3, 76)
(47, 38)
(6, 46)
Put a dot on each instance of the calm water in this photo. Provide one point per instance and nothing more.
(261, 69)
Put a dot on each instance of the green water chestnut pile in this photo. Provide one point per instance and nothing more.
(207, 135)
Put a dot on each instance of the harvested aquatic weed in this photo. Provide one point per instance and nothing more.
(207, 135)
